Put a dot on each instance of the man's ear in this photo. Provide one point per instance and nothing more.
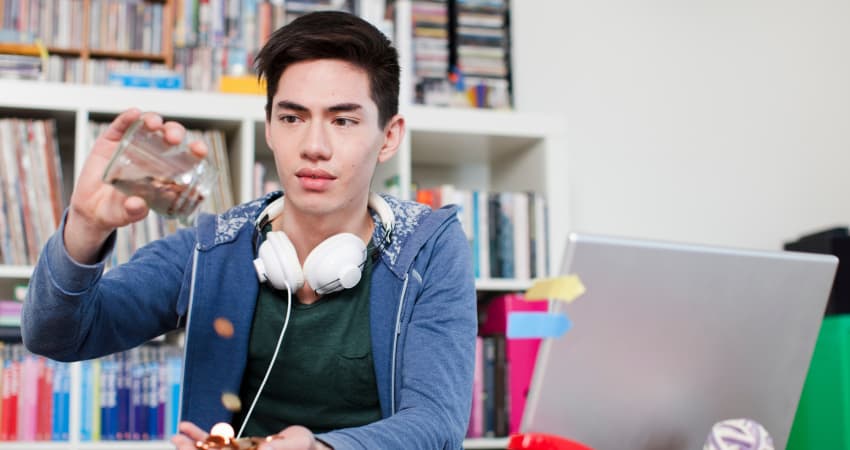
(393, 134)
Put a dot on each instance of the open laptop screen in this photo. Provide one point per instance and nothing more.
(670, 339)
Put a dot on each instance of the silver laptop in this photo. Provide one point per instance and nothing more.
(670, 339)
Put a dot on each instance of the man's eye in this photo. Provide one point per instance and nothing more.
(289, 119)
(344, 122)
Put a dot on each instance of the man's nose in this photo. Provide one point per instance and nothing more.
(316, 145)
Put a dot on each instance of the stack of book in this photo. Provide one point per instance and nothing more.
(10, 313)
(482, 46)
(31, 199)
(21, 61)
(215, 38)
(131, 395)
(506, 230)
(20, 67)
(35, 396)
(503, 369)
(59, 23)
(126, 26)
(431, 52)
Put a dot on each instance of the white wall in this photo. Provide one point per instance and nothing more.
(712, 121)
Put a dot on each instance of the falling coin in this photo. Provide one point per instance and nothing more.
(223, 327)
(231, 402)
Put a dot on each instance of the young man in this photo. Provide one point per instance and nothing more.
(386, 364)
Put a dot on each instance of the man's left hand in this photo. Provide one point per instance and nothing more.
(294, 438)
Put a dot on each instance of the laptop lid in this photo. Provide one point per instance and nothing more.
(671, 338)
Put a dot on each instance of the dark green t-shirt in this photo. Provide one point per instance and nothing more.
(324, 376)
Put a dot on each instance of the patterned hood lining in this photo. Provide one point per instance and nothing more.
(407, 216)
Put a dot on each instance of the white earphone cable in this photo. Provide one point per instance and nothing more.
(271, 363)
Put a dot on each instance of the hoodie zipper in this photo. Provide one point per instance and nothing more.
(186, 333)
(395, 344)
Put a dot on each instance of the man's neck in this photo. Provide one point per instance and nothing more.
(308, 232)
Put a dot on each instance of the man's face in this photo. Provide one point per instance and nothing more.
(325, 135)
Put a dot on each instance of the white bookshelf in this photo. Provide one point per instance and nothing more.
(502, 284)
(103, 445)
(473, 149)
(469, 148)
(15, 272)
(468, 444)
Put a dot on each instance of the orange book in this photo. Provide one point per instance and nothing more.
(246, 84)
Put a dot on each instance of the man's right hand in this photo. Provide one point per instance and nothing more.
(96, 207)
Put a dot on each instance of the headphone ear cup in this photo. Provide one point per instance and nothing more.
(278, 262)
(335, 264)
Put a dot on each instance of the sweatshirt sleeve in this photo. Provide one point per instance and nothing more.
(77, 311)
(437, 362)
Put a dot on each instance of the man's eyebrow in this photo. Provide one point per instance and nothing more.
(345, 107)
(286, 104)
(340, 107)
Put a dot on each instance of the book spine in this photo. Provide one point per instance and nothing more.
(94, 411)
(476, 419)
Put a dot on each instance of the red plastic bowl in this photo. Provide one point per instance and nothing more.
(541, 441)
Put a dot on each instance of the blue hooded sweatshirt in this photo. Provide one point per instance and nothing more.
(422, 317)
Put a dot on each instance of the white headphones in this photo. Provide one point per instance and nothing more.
(335, 264)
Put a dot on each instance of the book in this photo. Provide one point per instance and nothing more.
(476, 417)
(152, 79)
(520, 354)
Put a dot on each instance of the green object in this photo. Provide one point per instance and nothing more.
(823, 415)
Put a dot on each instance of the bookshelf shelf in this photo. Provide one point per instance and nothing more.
(66, 51)
(495, 123)
(485, 443)
(133, 56)
(502, 285)
(103, 445)
(15, 272)
(469, 444)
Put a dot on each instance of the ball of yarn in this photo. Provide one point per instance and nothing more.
(738, 434)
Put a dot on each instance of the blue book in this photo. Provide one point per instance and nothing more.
(505, 233)
(66, 402)
(135, 420)
(175, 373)
(154, 430)
(123, 401)
(162, 395)
(85, 401)
(56, 393)
(104, 398)
(151, 80)
(109, 399)
(476, 236)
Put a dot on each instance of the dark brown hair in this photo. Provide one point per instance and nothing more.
(333, 35)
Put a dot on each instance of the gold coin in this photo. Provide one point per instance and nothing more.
(223, 327)
(231, 402)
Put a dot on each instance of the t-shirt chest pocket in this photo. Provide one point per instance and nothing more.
(355, 379)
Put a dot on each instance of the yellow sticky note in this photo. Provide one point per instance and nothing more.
(566, 288)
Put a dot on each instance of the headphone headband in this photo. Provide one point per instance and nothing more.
(376, 203)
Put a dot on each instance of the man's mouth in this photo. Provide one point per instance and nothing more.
(314, 174)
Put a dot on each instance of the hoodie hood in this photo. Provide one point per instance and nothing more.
(398, 254)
